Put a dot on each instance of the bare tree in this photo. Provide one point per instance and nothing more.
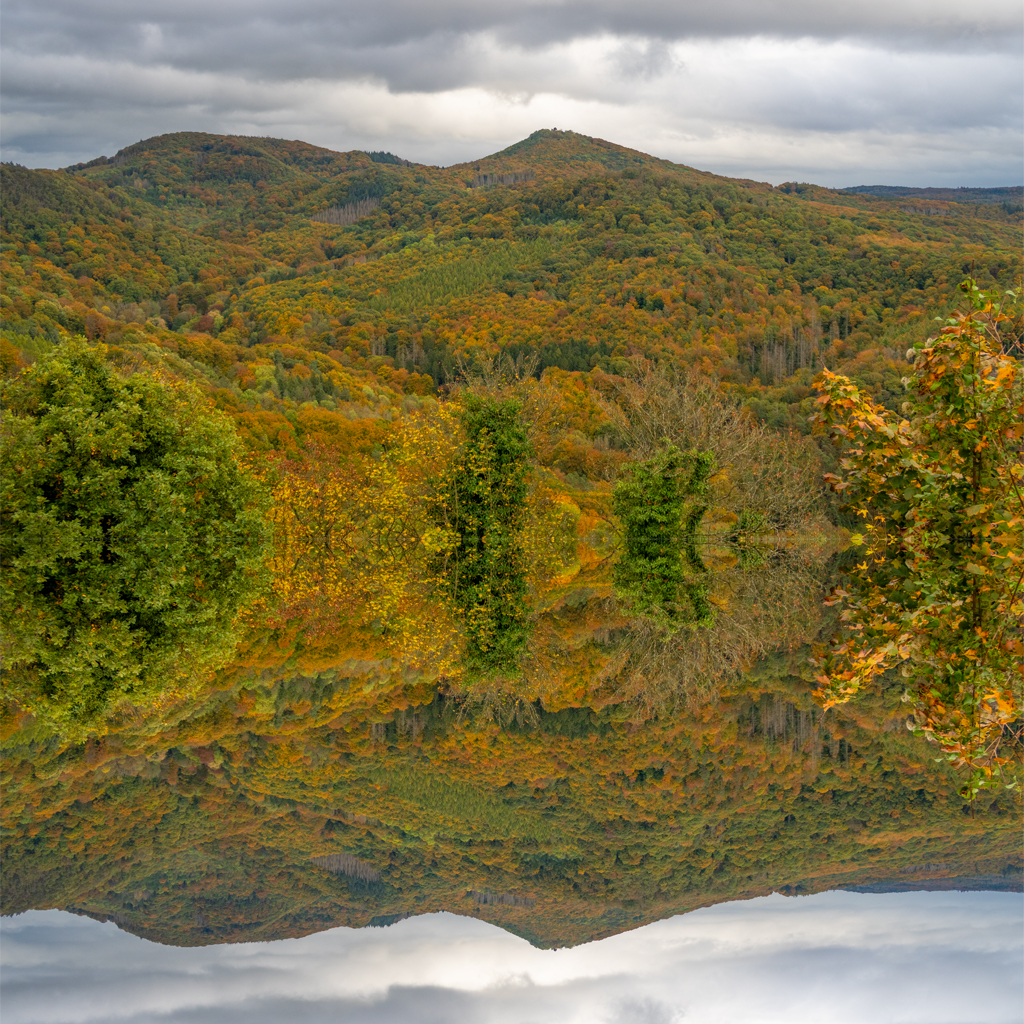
(758, 470)
(774, 605)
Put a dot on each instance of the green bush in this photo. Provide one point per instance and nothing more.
(132, 536)
(660, 506)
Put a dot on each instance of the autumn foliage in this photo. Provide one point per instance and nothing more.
(938, 490)
(549, 534)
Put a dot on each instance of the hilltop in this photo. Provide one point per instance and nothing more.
(587, 253)
(321, 299)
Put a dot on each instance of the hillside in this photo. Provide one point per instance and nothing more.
(343, 768)
(587, 253)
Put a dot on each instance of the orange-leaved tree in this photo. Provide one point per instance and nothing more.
(938, 589)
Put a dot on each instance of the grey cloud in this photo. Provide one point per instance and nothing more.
(644, 59)
(843, 89)
(412, 1005)
(356, 25)
(836, 958)
(414, 45)
(642, 1011)
(800, 89)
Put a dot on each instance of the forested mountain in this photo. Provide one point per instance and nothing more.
(377, 330)
(582, 251)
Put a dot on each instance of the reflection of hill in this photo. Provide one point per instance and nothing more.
(560, 825)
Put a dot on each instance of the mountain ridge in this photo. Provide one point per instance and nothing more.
(613, 155)
(589, 253)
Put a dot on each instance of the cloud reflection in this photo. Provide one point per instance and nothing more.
(834, 958)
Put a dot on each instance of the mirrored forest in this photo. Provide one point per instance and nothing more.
(391, 539)
(475, 686)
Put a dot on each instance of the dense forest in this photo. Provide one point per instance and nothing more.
(295, 801)
(584, 252)
(543, 537)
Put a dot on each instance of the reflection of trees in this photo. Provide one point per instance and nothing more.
(775, 605)
(758, 469)
(938, 495)
(759, 595)
(480, 505)
(660, 503)
(355, 538)
(431, 541)
(420, 540)
(494, 699)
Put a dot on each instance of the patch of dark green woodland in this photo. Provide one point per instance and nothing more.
(483, 501)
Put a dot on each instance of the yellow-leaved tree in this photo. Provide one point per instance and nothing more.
(940, 492)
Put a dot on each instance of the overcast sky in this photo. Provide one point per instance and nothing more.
(835, 958)
(914, 92)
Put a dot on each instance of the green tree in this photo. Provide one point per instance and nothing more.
(483, 502)
(661, 503)
(938, 592)
(132, 536)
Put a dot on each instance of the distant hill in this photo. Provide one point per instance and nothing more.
(1013, 194)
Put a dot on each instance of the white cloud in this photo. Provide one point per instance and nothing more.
(833, 110)
(835, 958)
(837, 113)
